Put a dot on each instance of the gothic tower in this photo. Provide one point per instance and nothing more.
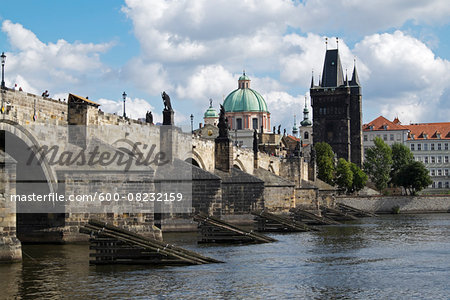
(337, 111)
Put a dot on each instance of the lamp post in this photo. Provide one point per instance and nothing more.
(124, 97)
(235, 138)
(3, 56)
(192, 123)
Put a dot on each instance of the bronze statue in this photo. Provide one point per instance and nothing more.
(149, 117)
(166, 100)
(284, 132)
(274, 130)
(223, 123)
(279, 129)
(255, 142)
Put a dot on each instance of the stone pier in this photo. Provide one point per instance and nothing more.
(10, 246)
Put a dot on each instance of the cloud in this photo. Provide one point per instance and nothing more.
(135, 108)
(52, 65)
(405, 79)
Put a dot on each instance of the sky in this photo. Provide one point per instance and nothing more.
(197, 49)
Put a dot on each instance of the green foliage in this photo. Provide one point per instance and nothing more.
(378, 162)
(401, 156)
(325, 162)
(359, 178)
(414, 177)
(344, 175)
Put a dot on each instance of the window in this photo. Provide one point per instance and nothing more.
(439, 146)
(433, 160)
(439, 159)
(391, 137)
(432, 147)
(255, 123)
(439, 172)
(439, 185)
(446, 159)
(447, 185)
(412, 147)
(433, 172)
(446, 146)
(385, 137)
(371, 137)
(426, 159)
(446, 172)
(419, 147)
(239, 123)
(425, 147)
(399, 136)
(365, 138)
(306, 135)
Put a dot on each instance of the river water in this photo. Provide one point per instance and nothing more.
(388, 257)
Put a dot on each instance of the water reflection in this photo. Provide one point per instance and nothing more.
(401, 256)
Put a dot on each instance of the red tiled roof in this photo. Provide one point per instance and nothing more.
(380, 123)
(432, 130)
(293, 137)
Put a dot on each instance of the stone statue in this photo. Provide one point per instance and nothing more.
(273, 130)
(279, 129)
(149, 117)
(166, 100)
(255, 142)
(284, 131)
(223, 123)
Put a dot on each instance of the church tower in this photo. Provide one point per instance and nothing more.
(337, 111)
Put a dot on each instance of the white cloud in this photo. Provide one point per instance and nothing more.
(405, 79)
(135, 108)
(53, 65)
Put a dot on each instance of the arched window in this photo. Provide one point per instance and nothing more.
(306, 135)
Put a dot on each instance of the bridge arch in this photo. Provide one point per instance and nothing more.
(27, 137)
(194, 158)
(237, 163)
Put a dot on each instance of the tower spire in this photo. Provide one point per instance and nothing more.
(355, 77)
(312, 78)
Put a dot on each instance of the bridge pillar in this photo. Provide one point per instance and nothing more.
(10, 246)
(223, 154)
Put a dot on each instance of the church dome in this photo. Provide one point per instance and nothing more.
(244, 98)
(211, 113)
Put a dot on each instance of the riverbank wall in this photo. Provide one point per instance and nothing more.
(405, 204)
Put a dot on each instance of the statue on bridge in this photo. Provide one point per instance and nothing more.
(255, 142)
(223, 123)
(149, 117)
(279, 129)
(166, 100)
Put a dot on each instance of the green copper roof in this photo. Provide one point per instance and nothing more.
(244, 100)
(211, 113)
(306, 122)
(244, 77)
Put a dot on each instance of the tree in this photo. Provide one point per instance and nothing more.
(325, 162)
(378, 162)
(414, 177)
(344, 175)
(359, 178)
(401, 156)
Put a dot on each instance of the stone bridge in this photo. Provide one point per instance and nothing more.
(29, 122)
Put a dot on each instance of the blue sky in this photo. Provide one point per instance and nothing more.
(196, 50)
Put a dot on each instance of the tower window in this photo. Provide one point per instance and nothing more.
(239, 123)
(306, 135)
(255, 123)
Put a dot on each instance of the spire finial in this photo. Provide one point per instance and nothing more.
(243, 72)
(312, 78)
(305, 101)
(210, 102)
(337, 42)
(326, 43)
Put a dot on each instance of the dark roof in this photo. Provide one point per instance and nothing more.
(270, 179)
(355, 77)
(332, 75)
(236, 176)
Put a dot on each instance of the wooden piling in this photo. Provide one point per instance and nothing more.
(310, 218)
(213, 230)
(268, 222)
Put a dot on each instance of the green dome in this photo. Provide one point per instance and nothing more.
(244, 77)
(244, 100)
(306, 122)
(211, 113)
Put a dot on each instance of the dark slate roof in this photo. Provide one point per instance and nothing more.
(270, 179)
(236, 176)
(181, 170)
(332, 75)
(355, 77)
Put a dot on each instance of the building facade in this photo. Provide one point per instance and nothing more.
(337, 111)
(429, 143)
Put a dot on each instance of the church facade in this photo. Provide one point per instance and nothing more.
(337, 110)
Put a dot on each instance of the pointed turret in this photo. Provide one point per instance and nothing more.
(312, 79)
(355, 78)
(306, 121)
(295, 128)
(332, 70)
